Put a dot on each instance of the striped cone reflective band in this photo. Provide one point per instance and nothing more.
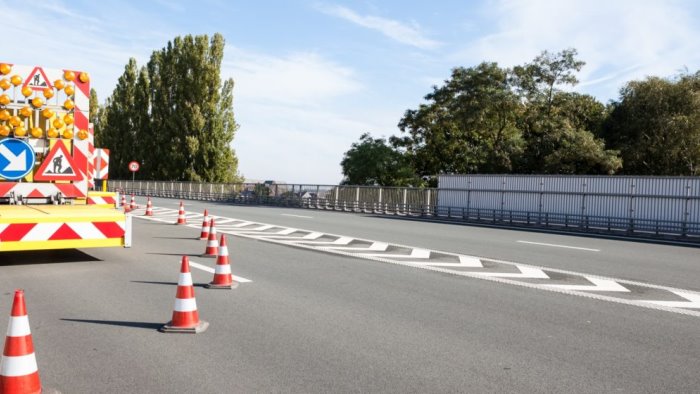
(222, 273)
(18, 369)
(185, 316)
(205, 226)
(212, 243)
(181, 215)
(133, 202)
(149, 208)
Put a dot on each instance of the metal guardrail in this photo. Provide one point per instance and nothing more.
(406, 202)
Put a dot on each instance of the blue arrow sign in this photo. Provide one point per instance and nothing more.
(16, 159)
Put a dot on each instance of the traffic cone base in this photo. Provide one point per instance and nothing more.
(231, 286)
(200, 327)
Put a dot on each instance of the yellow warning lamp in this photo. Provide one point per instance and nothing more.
(4, 99)
(27, 91)
(4, 130)
(15, 121)
(47, 113)
(5, 114)
(84, 77)
(20, 131)
(58, 123)
(68, 134)
(25, 111)
(68, 104)
(16, 80)
(5, 84)
(68, 119)
(48, 93)
(36, 132)
(69, 75)
(69, 89)
(37, 102)
(82, 134)
(59, 84)
(52, 133)
(5, 68)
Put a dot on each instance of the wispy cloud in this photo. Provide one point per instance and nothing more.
(619, 40)
(299, 78)
(404, 33)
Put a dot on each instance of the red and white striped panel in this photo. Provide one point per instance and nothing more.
(97, 200)
(13, 232)
(102, 163)
(82, 149)
(39, 190)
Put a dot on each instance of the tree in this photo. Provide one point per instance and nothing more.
(558, 127)
(94, 107)
(468, 125)
(371, 161)
(117, 128)
(175, 115)
(656, 126)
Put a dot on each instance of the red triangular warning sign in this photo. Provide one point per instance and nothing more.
(58, 166)
(37, 80)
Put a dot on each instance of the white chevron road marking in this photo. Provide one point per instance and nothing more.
(416, 253)
(525, 273)
(420, 258)
(598, 285)
(464, 261)
(693, 301)
(374, 247)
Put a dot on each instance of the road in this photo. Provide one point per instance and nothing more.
(318, 319)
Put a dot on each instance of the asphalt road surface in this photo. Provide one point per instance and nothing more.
(315, 320)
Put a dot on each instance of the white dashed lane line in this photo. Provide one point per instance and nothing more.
(296, 216)
(559, 246)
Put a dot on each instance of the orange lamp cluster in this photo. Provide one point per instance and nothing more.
(59, 124)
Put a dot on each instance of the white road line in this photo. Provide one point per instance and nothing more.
(559, 246)
(296, 216)
(211, 271)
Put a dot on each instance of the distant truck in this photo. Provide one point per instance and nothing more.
(47, 165)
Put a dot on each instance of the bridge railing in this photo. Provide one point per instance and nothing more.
(419, 203)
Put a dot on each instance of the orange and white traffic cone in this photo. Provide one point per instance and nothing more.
(222, 273)
(123, 202)
(18, 369)
(149, 208)
(133, 202)
(181, 215)
(205, 226)
(185, 316)
(212, 243)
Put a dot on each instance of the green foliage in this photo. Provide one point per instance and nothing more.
(174, 115)
(656, 126)
(371, 161)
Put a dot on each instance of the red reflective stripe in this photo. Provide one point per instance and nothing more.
(15, 232)
(35, 193)
(68, 190)
(18, 346)
(29, 384)
(110, 200)
(110, 229)
(5, 187)
(81, 121)
(184, 292)
(64, 232)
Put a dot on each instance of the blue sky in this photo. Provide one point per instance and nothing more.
(312, 76)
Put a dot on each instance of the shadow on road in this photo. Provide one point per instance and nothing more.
(27, 257)
(163, 283)
(135, 324)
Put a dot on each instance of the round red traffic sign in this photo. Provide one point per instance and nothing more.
(134, 166)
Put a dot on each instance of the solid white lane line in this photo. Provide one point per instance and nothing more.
(559, 246)
(296, 216)
(212, 270)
